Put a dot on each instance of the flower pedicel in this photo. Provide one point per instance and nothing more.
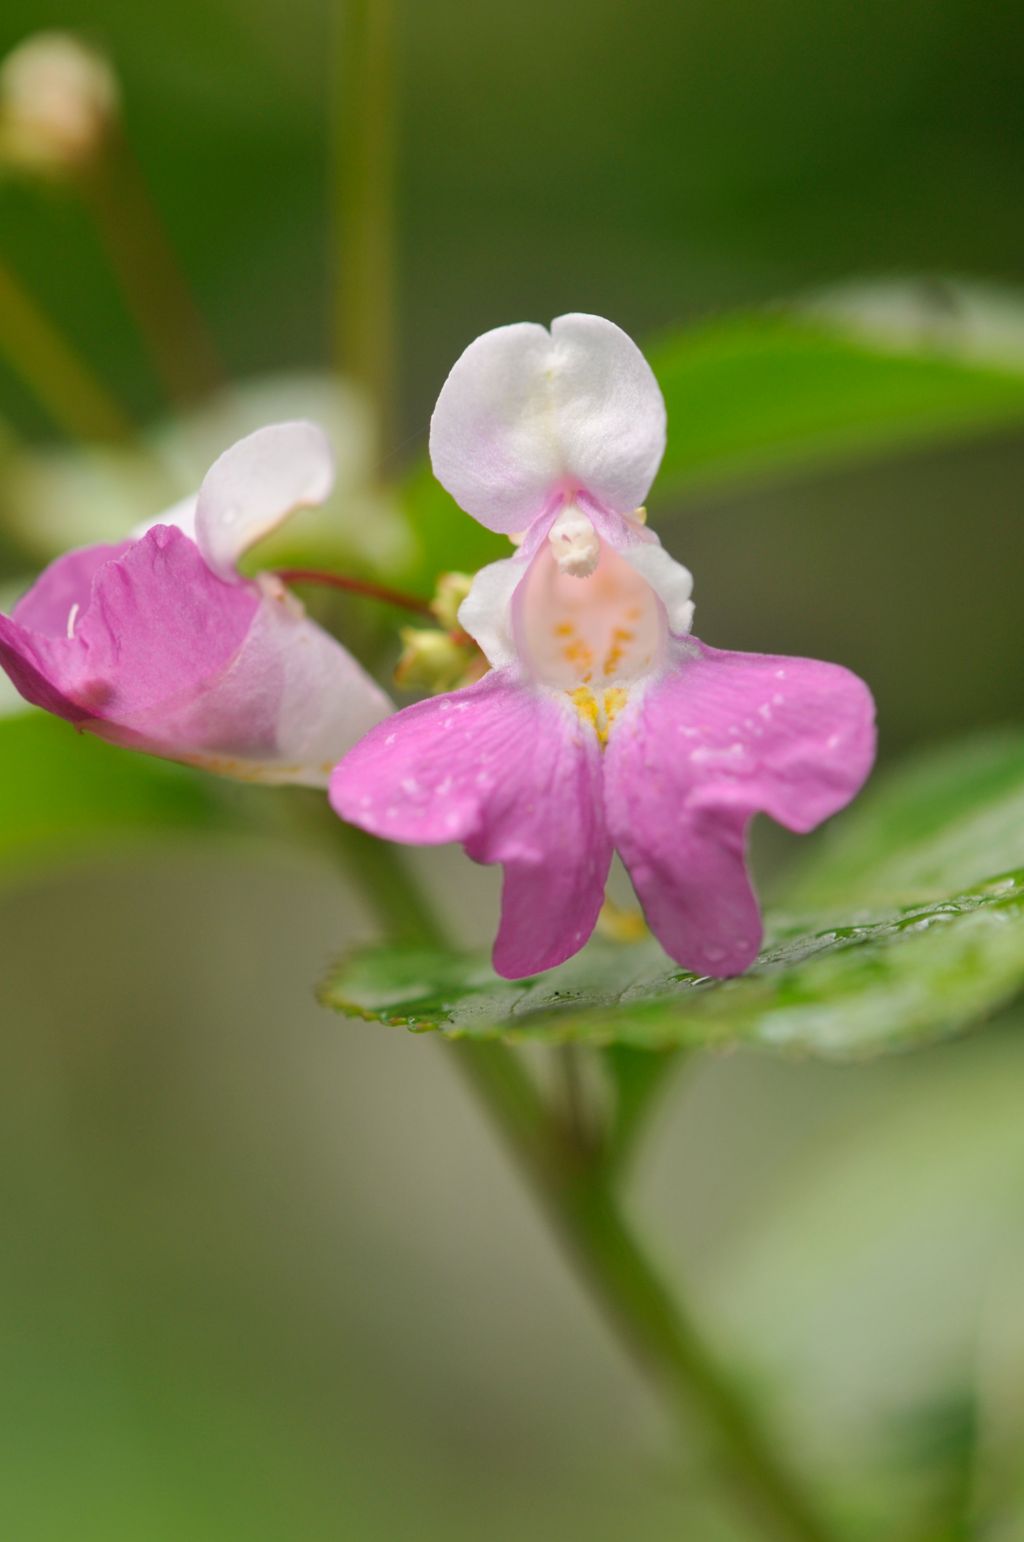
(603, 724)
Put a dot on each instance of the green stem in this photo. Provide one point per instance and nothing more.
(364, 204)
(395, 896)
(572, 1183)
(612, 1263)
(576, 1115)
(72, 396)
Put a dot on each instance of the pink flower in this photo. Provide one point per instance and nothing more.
(159, 644)
(603, 724)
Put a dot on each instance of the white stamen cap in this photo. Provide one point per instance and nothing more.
(574, 543)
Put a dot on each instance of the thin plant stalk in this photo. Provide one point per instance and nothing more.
(74, 399)
(156, 291)
(362, 586)
(575, 1194)
(397, 900)
(363, 204)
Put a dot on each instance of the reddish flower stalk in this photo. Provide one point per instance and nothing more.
(357, 586)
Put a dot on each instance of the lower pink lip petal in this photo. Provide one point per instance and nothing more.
(722, 737)
(513, 774)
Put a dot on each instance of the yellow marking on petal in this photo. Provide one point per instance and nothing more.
(600, 714)
(614, 701)
(578, 653)
(621, 638)
(564, 629)
(586, 705)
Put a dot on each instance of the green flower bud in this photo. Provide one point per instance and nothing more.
(451, 590)
(435, 661)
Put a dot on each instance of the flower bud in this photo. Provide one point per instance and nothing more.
(58, 101)
(451, 590)
(435, 661)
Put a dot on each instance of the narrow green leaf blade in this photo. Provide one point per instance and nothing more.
(865, 371)
(781, 392)
(940, 822)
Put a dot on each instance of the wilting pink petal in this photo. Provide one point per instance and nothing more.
(64, 586)
(50, 608)
(721, 737)
(291, 701)
(255, 485)
(158, 606)
(529, 416)
(152, 625)
(145, 646)
(511, 772)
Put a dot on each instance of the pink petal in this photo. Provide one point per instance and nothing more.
(181, 514)
(255, 485)
(158, 626)
(722, 737)
(67, 582)
(50, 610)
(165, 657)
(152, 625)
(29, 674)
(291, 702)
(526, 415)
(510, 772)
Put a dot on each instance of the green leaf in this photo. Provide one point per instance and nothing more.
(940, 822)
(64, 794)
(864, 371)
(909, 926)
(785, 391)
(838, 991)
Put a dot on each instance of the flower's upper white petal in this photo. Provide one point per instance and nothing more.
(527, 414)
(255, 485)
(611, 411)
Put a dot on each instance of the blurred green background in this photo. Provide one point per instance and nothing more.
(264, 1273)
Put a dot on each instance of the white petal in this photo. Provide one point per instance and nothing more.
(326, 701)
(670, 580)
(526, 415)
(255, 485)
(486, 612)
